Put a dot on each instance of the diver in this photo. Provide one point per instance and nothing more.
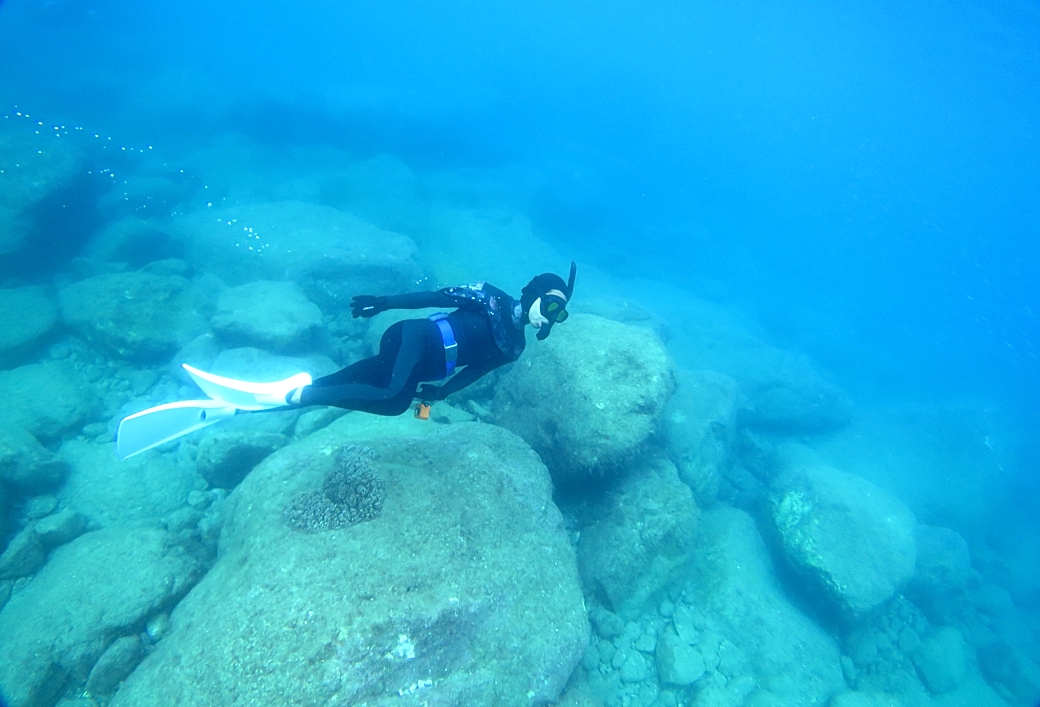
(485, 331)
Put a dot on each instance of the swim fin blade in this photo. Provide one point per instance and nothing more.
(246, 395)
(150, 428)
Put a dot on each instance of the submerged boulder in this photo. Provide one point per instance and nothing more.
(138, 316)
(49, 399)
(331, 254)
(111, 491)
(99, 587)
(26, 465)
(642, 537)
(744, 625)
(275, 316)
(852, 539)
(700, 426)
(460, 587)
(588, 397)
(28, 314)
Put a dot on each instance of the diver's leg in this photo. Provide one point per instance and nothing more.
(403, 349)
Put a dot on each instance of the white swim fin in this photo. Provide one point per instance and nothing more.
(246, 395)
(150, 428)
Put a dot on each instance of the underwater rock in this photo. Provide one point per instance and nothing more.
(351, 493)
(464, 591)
(941, 660)
(138, 316)
(699, 426)
(795, 399)
(60, 528)
(588, 397)
(678, 663)
(27, 314)
(111, 491)
(107, 583)
(852, 539)
(12, 230)
(330, 254)
(114, 665)
(51, 399)
(24, 555)
(26, 465)
(734, 584)
(226, 456)
(943, 563)
(275, 316)
(642, 538)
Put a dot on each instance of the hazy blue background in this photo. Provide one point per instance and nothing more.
(862, 179)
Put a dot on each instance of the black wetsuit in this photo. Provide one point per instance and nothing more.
(488, 328)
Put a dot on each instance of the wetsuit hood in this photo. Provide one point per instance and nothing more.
(539, 286)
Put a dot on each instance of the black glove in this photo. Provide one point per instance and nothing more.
(429, 393)
(367, 306)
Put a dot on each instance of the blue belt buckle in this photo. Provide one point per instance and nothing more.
(451, 348)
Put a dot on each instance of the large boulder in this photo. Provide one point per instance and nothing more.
(641, 539)
(329, 253)
(275, 316)
(111, 491)
(26, 465)
(28, 315)
(741, 621)
(588, 397)
(138, 316)
(699, 426)
(853, 540)
(49, 399)
(101, 586)
(383, 590)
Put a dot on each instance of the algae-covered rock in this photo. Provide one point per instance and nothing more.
(111, 491)
(588, 397)
(642, 537)
(100, 586)
(275, 316)
(852, 539)
(763, 636)
(331, 254)
(27, 314)
(49, 399)
(699, 426)
(26, 465)
(464, 590)
(138, 316)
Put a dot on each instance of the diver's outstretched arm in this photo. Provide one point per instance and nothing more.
(371, 305)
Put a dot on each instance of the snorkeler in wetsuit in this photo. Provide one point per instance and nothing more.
(485, 331)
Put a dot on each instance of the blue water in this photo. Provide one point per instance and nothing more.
(859, 180)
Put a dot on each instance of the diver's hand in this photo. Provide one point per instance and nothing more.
(429, 393)
(367, 306)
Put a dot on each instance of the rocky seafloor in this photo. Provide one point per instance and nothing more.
(650, 509)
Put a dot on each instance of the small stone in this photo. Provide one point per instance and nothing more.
(620, 657)
(677, 662)
(666, 609)
(199, 500)
(606, 623)
(23, 556)
(685, 620)
(114, 665)
(39, 507)
(606, 651)
(646, 643)
(61, 528)
(590, 661)
(633, 630)
(908, 640)
(634, 668)
(157, 627)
